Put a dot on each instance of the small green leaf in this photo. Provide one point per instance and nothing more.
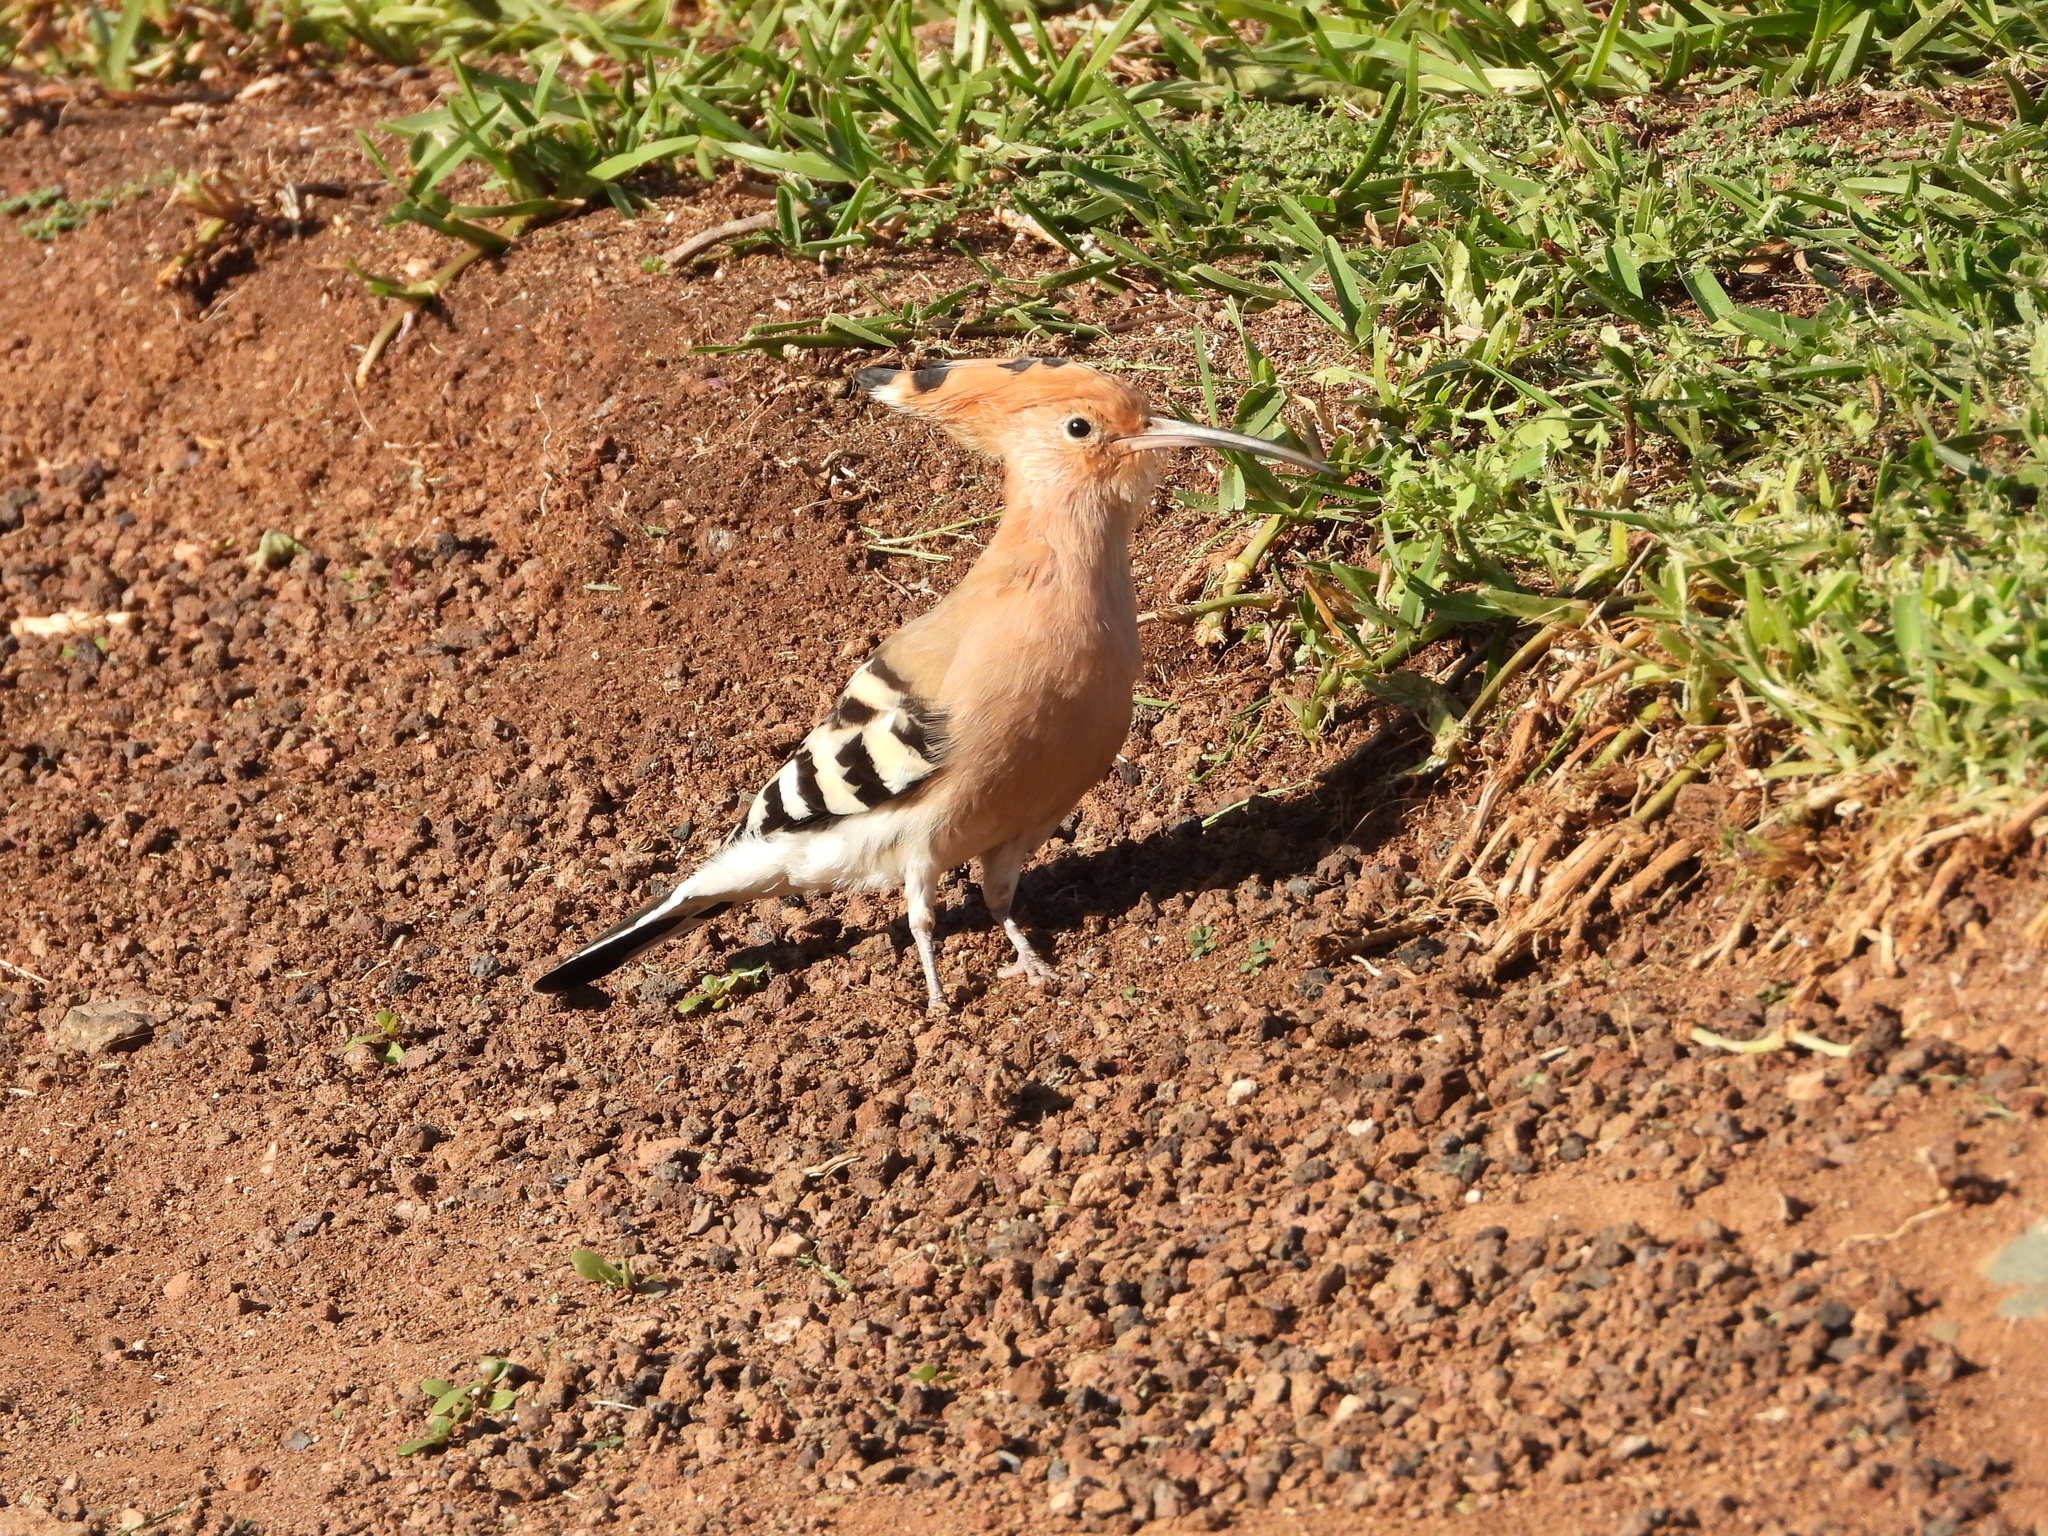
(594, 1266)
(275, 551)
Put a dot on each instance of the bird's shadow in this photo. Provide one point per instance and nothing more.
(1266, 837)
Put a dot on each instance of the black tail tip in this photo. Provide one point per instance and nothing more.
(872, 379)
(567, 977)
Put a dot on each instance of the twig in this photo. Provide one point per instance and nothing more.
(1727, 944)
(1481, 814)
(1484, 860)
(1948, 877)
(1630, 850)
(1632, 894)
(9, 965)
(1903, 1227)
(2022, 822)
(1558, 890)
(718, 234)
(1539, 853)
(1376, 939)
(1944, 836)
(1762, 1045)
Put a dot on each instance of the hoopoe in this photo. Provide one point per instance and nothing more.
(976, 727)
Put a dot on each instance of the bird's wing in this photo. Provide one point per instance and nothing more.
(881, 740)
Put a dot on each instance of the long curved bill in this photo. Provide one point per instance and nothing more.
(1165, 432)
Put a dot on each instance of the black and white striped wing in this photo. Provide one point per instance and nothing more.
(879, 742)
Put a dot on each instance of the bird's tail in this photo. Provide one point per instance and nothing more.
(669, 917)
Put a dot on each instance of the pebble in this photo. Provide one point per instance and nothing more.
(96, 1028)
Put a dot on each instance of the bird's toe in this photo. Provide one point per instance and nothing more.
(1035, 971)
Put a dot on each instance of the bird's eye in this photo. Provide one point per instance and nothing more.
(1079, 427)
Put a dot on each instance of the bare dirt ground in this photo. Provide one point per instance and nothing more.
(1233, 1229)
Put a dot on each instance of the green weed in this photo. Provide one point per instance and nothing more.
(454, 1406)
(592, 1265)
(819, 1267)
(383, 1041)
(59, 215)
(719, 992)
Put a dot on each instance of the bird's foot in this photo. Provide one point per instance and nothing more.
(1029, 964)
(1034, 970)
(937, 1007)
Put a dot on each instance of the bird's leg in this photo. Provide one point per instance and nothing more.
(999, 871)
(1030, 964)
(924, 925)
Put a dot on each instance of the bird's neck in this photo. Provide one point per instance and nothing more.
(1067, 533)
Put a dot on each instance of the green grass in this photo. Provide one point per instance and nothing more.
(1605, 357)
(45, 212)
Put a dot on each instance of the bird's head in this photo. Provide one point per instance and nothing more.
(1057, 425)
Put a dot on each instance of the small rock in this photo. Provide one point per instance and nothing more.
(518, 1485)
(1032, 1383)
(915, 1275)
(1241, 1090)
(308, 1225)
(1104, 1502)
(1096, 1186)
(486, 967)
(1313, 1171)
(1436, 1095)
(96, 1028)
(1246, 1317)
(791, 1245)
